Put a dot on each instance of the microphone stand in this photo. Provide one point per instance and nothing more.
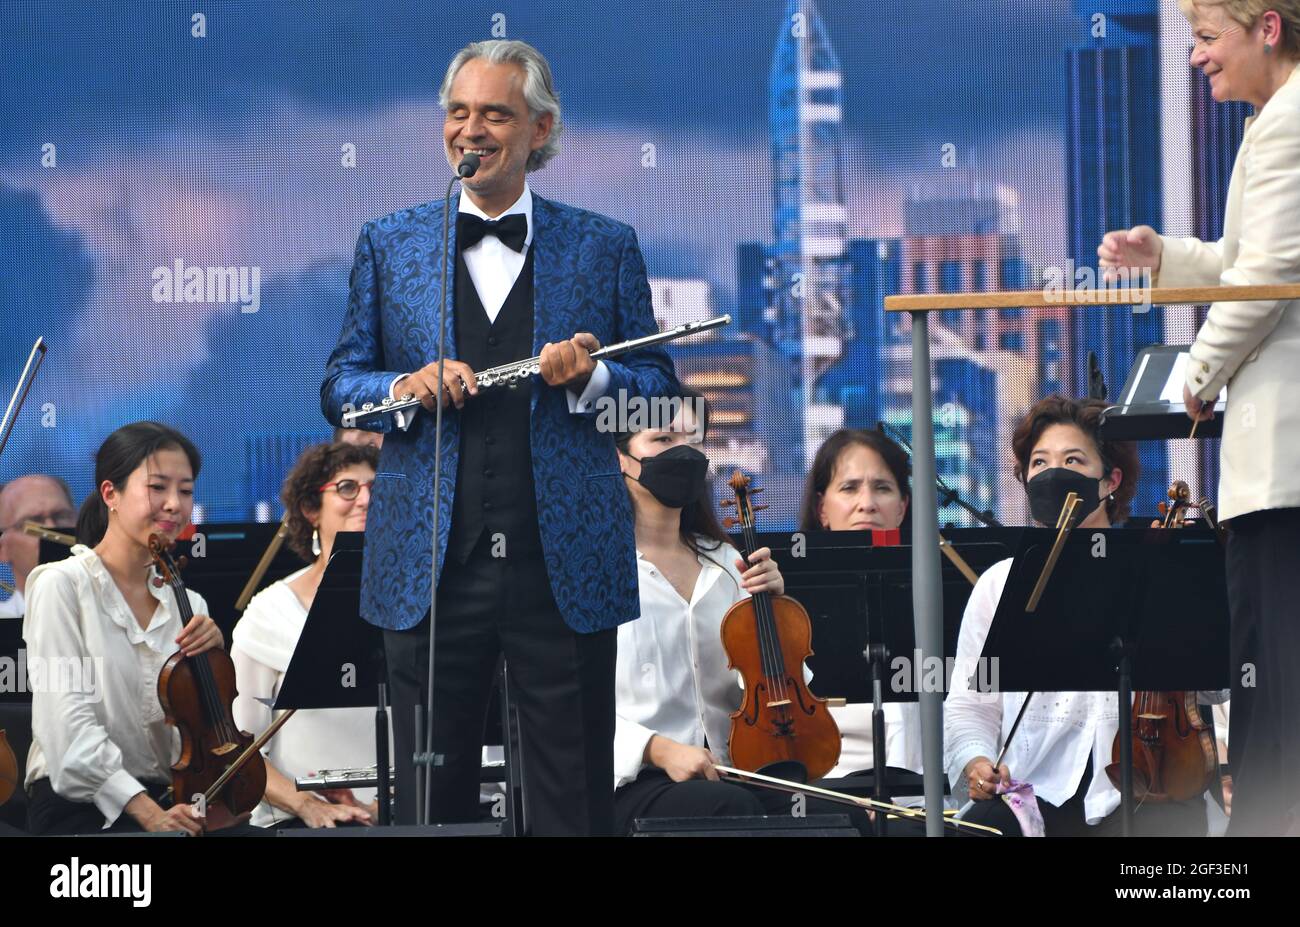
(425, 758)
(947, 495)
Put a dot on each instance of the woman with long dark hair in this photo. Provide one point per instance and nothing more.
(674, 694)
(859, 481)
(100, 631)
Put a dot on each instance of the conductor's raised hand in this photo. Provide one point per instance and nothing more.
(569, 363)
(457, 380)
(1138, 247)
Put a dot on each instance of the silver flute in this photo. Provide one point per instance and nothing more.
(356, 777)
(359, 777)
(510, 375)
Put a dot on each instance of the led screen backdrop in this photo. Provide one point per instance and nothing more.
(788, 162)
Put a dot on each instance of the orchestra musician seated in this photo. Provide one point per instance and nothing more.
(674, 693)
(1064, 742)
(327, 491)
(39, 498)
(101, 747)
(859, 482)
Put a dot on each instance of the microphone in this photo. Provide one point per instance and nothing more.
(468, 166)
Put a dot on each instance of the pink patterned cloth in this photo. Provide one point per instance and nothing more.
(1019, 797)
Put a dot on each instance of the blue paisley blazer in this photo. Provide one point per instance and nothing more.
(589, 276)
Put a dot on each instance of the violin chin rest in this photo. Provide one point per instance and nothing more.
(789, 770)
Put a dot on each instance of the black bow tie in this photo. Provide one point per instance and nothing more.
(512, 230)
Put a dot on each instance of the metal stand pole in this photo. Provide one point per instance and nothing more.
(927, 586)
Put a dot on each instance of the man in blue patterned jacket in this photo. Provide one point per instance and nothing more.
(536, 548)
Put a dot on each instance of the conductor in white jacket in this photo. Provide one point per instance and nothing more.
(1249, 50)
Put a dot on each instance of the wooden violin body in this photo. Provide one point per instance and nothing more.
(779, 720)
(198, 693)
(8, 769)
(1174, 754)
(210, 740)
(767, 638)
(1174, 757)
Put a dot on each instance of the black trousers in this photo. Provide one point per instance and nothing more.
(1263, 566)
(654, 795)
(562, 683)
(1150, 819)
(50, 814)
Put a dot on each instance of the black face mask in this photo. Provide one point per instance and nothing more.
(676, 476)
(1048, 489)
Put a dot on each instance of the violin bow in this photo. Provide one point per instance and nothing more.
(244, 757)
(28, 377)
(263, 565)
(795, 788)
(1064, 524)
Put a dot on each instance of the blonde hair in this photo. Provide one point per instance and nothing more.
(1246, 13)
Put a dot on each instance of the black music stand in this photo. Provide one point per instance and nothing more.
(339, 659)
(1150, 405)
(859, 598)
(1123, 609)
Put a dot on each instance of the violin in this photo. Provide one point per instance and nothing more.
(8, 769)
(1174, 754)
(197, 694)
(767, 638)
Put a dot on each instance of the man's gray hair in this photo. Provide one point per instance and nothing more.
(539, 91)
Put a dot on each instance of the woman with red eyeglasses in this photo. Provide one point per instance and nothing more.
(327, 491)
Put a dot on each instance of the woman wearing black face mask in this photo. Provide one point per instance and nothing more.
(673, 691)
(1064, 743)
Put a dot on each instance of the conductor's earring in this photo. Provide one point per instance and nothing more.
(315, 542)
(1268, 48)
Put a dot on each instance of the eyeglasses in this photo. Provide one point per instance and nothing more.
(63, 518)
(347, 489)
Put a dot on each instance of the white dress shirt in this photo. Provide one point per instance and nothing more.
(1060, 730)
(262, 645)
(494, 269)
(99, 741)
(12, 607)
(902, 737)
(671, 675)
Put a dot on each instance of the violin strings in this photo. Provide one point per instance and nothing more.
(769, 638)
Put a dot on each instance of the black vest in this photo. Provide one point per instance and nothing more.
(494, 482)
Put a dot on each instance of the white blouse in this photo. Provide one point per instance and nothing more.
(902, 737)
(671, 676)
(1060, 731)
(313, 739)
(98, 731)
